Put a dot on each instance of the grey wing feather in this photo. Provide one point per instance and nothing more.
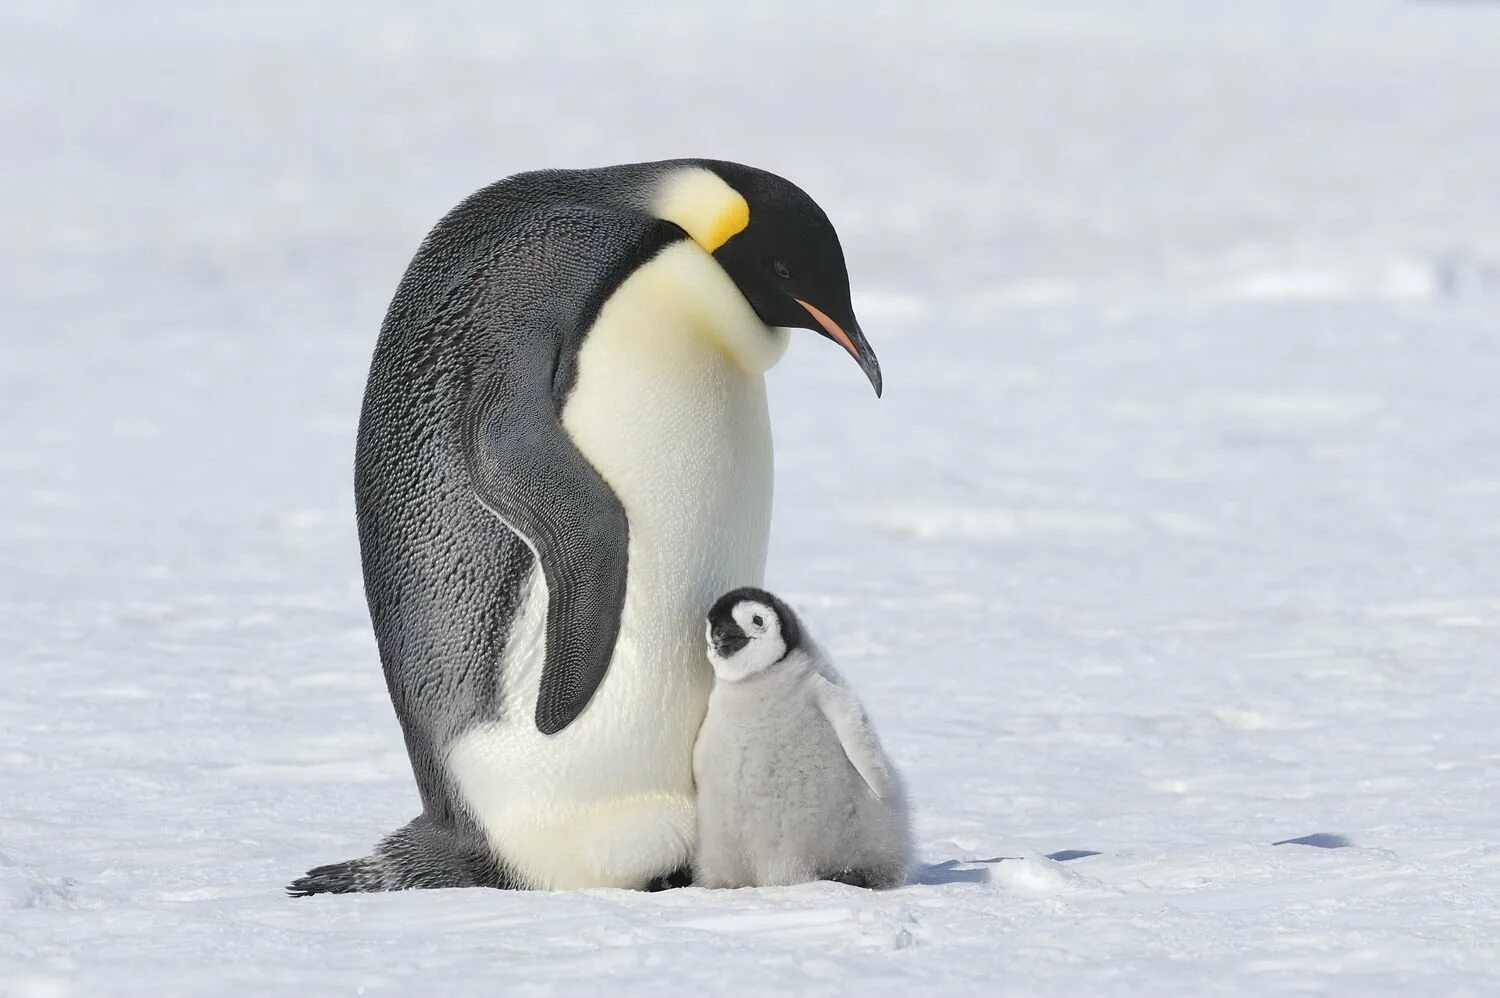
(855, 734)
(527, 471)
(522, 463)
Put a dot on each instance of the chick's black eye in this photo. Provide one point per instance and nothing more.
(780, 269)
(758, 621)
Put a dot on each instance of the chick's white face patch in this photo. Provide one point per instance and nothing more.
(764, 645)
(757, 620)
(702, 205)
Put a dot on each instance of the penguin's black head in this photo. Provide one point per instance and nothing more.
(748, 630)
(788, 263)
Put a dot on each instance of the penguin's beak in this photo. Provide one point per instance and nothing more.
(850, 339)
(726, 638)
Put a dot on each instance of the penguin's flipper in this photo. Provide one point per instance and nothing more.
(855, 733)
(527, 471)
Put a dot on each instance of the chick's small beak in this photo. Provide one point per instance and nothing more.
(726, 638)
(851, 340)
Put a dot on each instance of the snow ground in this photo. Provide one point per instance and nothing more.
(1172, 540)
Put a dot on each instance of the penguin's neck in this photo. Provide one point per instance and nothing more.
(683, 289)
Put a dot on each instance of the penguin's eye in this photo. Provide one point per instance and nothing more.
(758, 620)
(780, 269)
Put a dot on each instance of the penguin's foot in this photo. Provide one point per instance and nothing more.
(671, 881)
(348, 877)
(854, 878)
(423, 854)
(870, 878)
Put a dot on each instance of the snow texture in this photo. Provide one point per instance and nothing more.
(1167, 566)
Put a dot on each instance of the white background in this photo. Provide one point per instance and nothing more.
(1174, 537)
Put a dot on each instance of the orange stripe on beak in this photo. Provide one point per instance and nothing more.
(852, 342)
(833, 329)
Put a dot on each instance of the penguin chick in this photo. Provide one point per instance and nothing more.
(792, 783)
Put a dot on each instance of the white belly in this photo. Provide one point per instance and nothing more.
(678, 428)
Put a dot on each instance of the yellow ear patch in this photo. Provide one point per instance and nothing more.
(703, 205)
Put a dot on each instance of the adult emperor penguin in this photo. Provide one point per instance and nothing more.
(564, 457)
